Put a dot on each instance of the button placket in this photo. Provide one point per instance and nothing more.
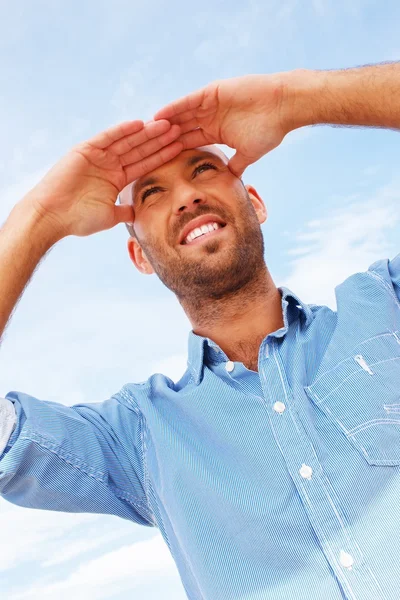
(306, 471)
(346, 560)
(319, 500)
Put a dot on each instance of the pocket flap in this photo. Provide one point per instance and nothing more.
(361, 396)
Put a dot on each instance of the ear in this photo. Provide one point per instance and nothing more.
(138, 257)
(258, 203)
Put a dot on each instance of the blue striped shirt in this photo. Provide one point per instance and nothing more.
(270, 485)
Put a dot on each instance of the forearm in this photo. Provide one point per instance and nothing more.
(24, 240)
(363, 96)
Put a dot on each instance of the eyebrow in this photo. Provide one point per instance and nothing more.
(193, 160)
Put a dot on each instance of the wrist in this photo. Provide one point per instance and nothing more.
(27, 216)
(303, 100)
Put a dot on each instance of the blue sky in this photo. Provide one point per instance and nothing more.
(89, 322)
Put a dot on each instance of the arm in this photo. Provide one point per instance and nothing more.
(24, 240)
(86, 457)
(361, 96)
(253, 114)
(81, 458)
(78, 197)
(67, 458)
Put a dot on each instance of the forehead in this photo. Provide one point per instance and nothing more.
(184, 159)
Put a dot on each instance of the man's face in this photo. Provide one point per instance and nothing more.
(168, 203)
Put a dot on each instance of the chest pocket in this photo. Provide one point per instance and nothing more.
(361, 396)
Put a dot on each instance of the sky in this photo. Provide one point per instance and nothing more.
(89, 322)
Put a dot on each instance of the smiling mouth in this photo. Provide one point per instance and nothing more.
(204, 236)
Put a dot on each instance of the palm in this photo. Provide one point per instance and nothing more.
(79, 193)
(88, 175)
(242, 113)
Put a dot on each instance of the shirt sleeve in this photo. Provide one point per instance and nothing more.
(81, 458)
(389, 271)
(8, 420)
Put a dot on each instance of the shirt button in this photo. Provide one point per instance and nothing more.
(229, 366)
(305, 471)
(346, 560)
(279, 407)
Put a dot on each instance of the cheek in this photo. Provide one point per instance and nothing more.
(150, 231)
(138, 226)
(144, 223)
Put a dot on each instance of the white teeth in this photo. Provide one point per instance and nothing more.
(201, 231)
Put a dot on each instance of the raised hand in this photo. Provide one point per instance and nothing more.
(78, 195)
(244, 113)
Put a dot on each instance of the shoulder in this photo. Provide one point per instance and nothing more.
(380, 283)
(155, 386)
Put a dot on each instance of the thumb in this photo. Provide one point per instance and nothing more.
(124, 214)
(238, 163)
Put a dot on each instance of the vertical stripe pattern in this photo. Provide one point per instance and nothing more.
(270, 485)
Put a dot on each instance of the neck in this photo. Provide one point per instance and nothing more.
(240, 321)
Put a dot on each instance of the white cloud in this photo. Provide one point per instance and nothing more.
(173, 366)
(342, 243)
(76, 547)
(123, 569)
(79, 350)
(31, 532)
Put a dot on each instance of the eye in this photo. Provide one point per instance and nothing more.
(204, 167)
(149, 191)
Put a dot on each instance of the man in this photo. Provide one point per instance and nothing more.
(272, 467)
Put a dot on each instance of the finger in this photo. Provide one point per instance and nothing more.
(149, 131)
(185, 103)
(194, 139)
(124, 214)
(111, 135)
(189, 125)
(238, 163)
(184, 117)
(150, 147)
(153, 161)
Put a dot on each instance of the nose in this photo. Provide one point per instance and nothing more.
(186, 198)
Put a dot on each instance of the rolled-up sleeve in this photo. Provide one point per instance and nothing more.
(8, 421)
(81, 458)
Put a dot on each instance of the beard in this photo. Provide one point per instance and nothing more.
(221, 267)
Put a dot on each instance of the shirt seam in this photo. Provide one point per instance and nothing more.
(343, 380)
(385, 285)
(125, 393)
(81, 466)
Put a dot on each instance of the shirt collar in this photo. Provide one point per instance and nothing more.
(198, 345)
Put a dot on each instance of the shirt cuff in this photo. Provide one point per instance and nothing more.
(8, 421)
